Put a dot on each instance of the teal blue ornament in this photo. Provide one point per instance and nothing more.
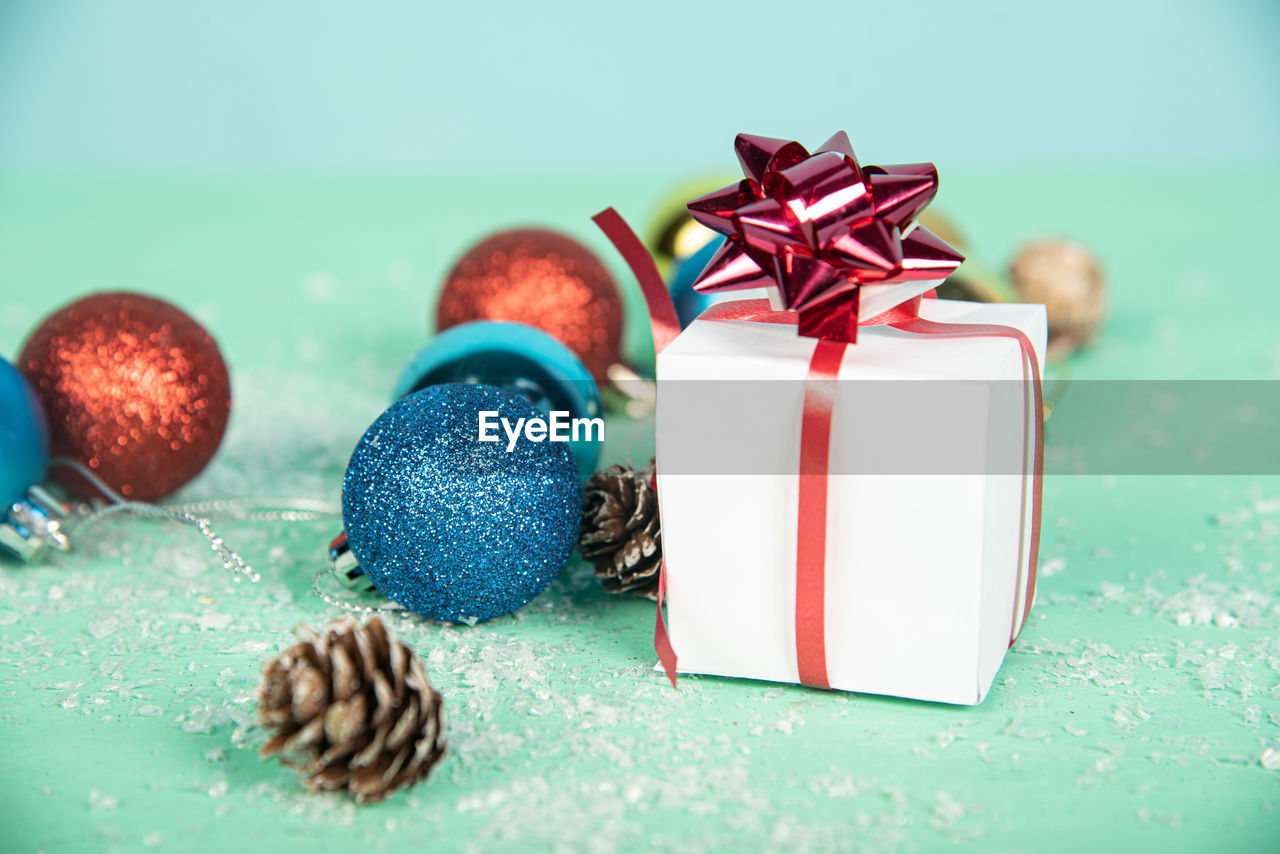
(30, 517)
(451, 527)
(520, 359)
(24, 437)
(690, 303)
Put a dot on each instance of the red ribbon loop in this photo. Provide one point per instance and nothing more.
(663, 321)
(759, 311)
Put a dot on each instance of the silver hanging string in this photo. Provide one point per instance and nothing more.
(261, 509)
(390, 608)
(232, 561)
(193, 514)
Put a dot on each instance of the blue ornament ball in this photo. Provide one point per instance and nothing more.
(24, 437)
(451, 527)
(689, 303)
(517, 358)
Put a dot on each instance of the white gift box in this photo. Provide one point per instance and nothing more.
(926, 563)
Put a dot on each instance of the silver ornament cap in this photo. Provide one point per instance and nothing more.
(33, 524)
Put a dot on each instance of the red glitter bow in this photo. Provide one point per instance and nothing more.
(818, 227)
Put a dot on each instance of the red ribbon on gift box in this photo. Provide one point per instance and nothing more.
(834, 321)
(815, 438)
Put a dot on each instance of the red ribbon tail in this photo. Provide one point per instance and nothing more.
(665, 326)
(661, 641)
(1030, 376)
(663, 322)
(1037, 484)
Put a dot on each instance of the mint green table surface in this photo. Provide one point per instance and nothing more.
(1132, 715)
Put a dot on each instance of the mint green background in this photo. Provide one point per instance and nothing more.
(300, 175)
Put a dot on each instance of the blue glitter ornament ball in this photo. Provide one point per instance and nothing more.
(24, 437)
(454, 528)
(516, 358)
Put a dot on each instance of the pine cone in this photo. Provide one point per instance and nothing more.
(353, 710)
(621, 533)
(1067, 279)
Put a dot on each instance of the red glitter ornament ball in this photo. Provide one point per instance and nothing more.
(543, 279)
(134, 388)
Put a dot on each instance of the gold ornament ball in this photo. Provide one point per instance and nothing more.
(671, 234)
(1067, 279)
(974, 280)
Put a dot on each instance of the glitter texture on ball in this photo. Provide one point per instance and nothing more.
(450, 527)
(133, 387)
(517, 358)
(544, 279)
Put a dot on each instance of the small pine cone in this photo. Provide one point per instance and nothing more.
(352, 709)
(621, 532)
(1066, 278)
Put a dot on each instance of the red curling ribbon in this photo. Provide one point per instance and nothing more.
(663, 322)
(665, 326)
(758, 311)
(661, 641)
